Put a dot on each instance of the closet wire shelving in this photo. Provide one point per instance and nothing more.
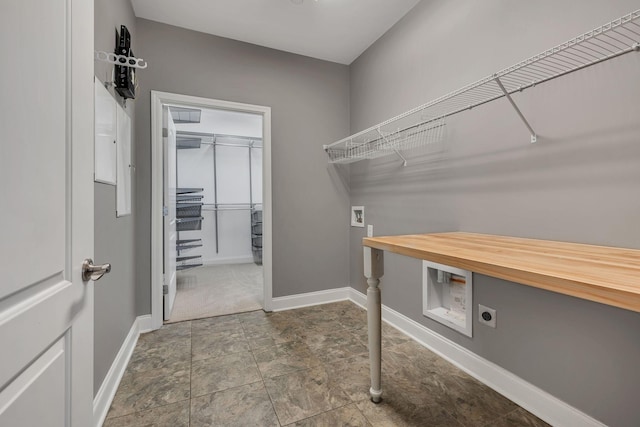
(425, 124)
(194, 140)
(188, 218)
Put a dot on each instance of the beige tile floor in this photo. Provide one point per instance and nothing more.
(306, 367)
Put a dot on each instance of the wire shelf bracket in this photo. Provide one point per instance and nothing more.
(424, 124)
(534, 137)
(386, 140)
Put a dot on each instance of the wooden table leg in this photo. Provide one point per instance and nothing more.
(373, 270)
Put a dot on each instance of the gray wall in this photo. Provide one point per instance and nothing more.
(579, 183)
(115, 292)
(309, 101)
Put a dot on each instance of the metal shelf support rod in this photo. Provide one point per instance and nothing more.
(230, 204)
(534, 137)
(226, 209)
(250, 177)
(404, 161)
(229, 145)
(218, 135)
(215, 194)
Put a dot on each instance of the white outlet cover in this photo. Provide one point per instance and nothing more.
(491, 323)
(369, 230)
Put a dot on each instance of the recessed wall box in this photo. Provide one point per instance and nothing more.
(447, 294)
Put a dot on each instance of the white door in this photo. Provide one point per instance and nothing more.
(170, 233)
(46, 220)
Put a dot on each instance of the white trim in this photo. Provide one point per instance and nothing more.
(267, 212)
(104, 397)
(540, 403)
(157, 100)
(145, 324)
(311, 298)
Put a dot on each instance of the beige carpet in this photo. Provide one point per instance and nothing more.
(217, 290)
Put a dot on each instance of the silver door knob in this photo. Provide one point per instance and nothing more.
(94, 272)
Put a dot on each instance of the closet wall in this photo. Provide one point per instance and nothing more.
(237, 179)
(578, 183)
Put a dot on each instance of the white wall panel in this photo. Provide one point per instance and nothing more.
(123, 162)
(233, 174)
(105, 135)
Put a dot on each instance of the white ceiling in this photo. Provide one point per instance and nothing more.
(333, 30)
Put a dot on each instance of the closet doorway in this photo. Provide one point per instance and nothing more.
(215, 189)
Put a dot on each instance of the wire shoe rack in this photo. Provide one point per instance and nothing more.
(424, 124)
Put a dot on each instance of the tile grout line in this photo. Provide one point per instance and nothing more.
(327, 366)
(153, 408)
(322, 412)
(264, 384)
(226, 389)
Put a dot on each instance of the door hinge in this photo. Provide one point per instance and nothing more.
(165, 132)
(165, 289)
(165, 211)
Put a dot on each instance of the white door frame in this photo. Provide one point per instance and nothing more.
(157, 100)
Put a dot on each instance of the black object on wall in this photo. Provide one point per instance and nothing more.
(125, 77)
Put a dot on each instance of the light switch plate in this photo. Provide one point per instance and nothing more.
(369, 230)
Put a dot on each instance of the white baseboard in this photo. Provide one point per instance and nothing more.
(107, 391)
(312, 298)
(145, 324)
(540, 403)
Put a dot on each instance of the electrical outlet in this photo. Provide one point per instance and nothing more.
(487, 316)
(369, 230)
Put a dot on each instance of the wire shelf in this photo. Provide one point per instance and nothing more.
(181, 248)
(187, 241)
(230, 206)
(376, 142)
(188, 143)
(188, 210)
(257, 255)
(256, 229)
(189, 224)
(611, 40)
(189, 198)
(187, 258)
(187, 266)
(183, 190)
(186, 244)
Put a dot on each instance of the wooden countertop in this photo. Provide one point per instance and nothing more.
(597, 273)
